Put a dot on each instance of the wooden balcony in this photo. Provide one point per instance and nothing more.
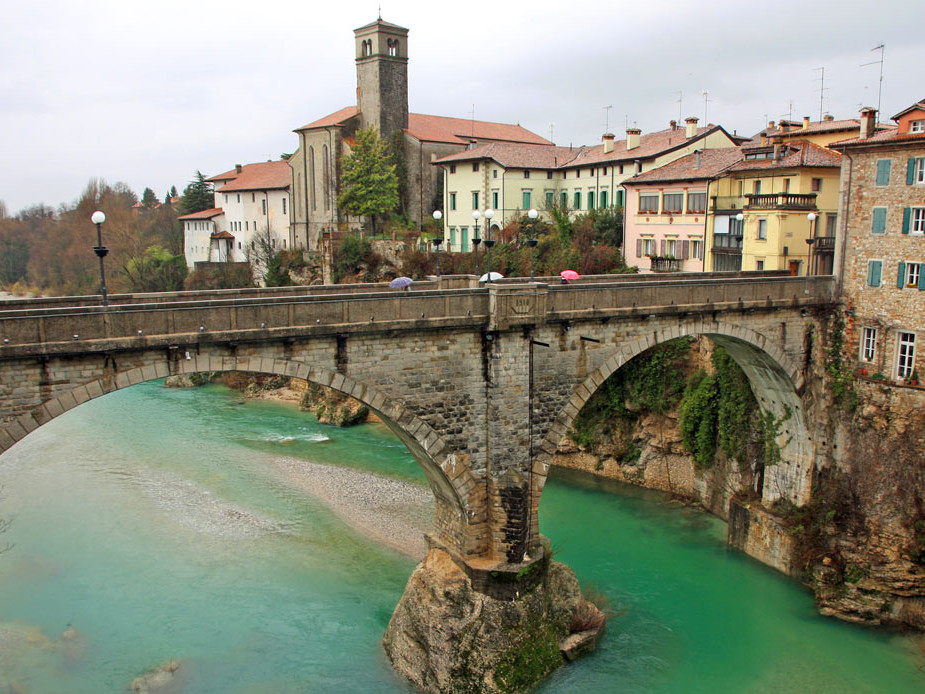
(727, 243)
(781, 201)
(665, 264)
(824, 244)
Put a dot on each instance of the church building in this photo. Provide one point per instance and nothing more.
(381, 102)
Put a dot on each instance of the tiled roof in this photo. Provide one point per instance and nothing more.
(814, 128)
(462, 131)
(336, 118)
(266, 175)
(202, 214)
(918, 104)
(222, 235)
(516, 156)
(650, 145)
(884, 137)
(380, 22)
(712, 163)
(804, 154)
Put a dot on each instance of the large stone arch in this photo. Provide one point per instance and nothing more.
(450, 478)
(776, 379)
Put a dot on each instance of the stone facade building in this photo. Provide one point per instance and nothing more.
(382, 103)
(881, 255)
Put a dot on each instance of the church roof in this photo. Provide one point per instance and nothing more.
(381, 23)
(262, 176)
(336, 118)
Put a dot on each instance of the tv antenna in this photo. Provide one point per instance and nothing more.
(882, 48)
(822, 89)
(607, 118)
(706, 100)
(680, 104)
(552, 127)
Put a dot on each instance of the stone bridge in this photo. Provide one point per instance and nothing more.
(481, 382)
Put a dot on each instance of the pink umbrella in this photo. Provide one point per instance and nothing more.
(570, 275)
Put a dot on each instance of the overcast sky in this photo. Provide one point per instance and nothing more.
(147, 93)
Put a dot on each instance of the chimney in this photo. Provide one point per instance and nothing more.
(777, 148)
(691, 124)
(829, 117)
(607, 139)
(696, 158)
(632, 137)
(238, 168)
(672, 124)
(868, 121)
(805, 122)
(770, 125)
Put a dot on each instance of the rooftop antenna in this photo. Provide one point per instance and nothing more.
(626, 121)
(822, 89)
(789, 110)
(706, 100)
(552, 127)
(882, 48)
(472, 120)
(607, 118)
(680, 104)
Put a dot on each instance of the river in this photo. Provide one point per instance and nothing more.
(158, 524)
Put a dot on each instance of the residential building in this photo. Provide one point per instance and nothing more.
(775, 210)
(880, 259)
(510, 179)
(252, 204)
(665, 223)
(821, 132)
(382, 102)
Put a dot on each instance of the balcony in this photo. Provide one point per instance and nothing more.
(727, 243)
(665, 264)
(726, 203)
(824, 244)
(781, 201)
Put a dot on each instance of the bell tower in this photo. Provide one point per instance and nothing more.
(382, 76)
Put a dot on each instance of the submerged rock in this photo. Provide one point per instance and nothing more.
(447, 637)
(332, 407)
(165, 677)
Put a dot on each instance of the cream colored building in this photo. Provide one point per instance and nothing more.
(510, 179)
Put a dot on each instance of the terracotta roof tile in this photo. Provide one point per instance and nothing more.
(202, 214)
(916, 105)
(650, 145)
(800, 154)
(516, 156)
(713, 162)
(881, 138)
(222, 235)
(268, 175)
(336, 118)
(462, 131)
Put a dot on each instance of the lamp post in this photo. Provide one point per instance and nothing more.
(476, 215)
(101, 251)
(532, 214)
(489, 213)
(811, 217)
(438, 215)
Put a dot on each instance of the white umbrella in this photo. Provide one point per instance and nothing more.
(491, 277)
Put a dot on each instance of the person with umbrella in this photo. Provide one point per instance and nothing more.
(568, 276)
(401, 283)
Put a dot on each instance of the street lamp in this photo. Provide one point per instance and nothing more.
(810, 242)
(438, 215)
(476, 215)
(101, 251)
(489, 213)
(532, 214)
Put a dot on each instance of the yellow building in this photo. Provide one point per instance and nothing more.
(821, 132)
(509, 179)
(764, 210)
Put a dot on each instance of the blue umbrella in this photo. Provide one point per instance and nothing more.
(401, 283)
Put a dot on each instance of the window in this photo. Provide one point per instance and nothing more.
(604, 171)
(526, 200)
(284, 205)
(464, 233)
(475, 200)
(914, 220)
(621, 168)
(603, 202)
(762, 228)
(905, 362)
(786, 185)
(648, 203)
(549, 174)
(577, 199)
(263, 206)
(590, 199)
(526, 173)
(697, 249)
(759, 265)
(672, 203)
(671, 248)
(647, 247)
(563, 200)
(915, 172)
(696, 202)
(253, 197)
(878, 221)
(494, 173)
(883, 172)
(756, 187)
(494, 200)
(917, 126)
(239, 197)
(816, 185)
(619, 200)
(452, 201)
(868, 344)
(830, 220)
(475, 166)
(874, 271)
(910, 275)
(452, 238)
(550, 199)
(452, 168)
(245, 226)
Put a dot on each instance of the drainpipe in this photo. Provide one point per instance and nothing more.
(421, 168)
(706, 216)
(843, 241)
(308, 245)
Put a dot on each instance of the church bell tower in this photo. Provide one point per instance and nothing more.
(382, 76)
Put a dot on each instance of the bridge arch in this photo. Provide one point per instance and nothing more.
(450, 478)
(776, 379)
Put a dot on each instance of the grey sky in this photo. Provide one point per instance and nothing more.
(147, 93)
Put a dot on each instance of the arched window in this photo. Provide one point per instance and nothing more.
(367, 48)
(393, 47)
(311, 177)
(326, 178)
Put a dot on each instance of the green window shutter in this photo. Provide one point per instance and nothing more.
(591, 200)
(878, 225)
(901, 275)
(910, 171)
(883, 172)
(563, 199)
(907, 219)
(603, 199)
(921, 278)
(548, 200)
(620, 198)
(873, 272)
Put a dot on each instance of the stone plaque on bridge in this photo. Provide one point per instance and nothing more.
(512, 305)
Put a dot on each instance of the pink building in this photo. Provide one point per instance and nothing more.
(666, 211)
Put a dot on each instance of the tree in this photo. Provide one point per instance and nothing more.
(197, 196)
(157, 270)
(171, 194)
(266, 260)
(370, 181)
(149, 199)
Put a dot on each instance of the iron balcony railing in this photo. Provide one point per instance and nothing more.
(666, 264)
(824, 244)
(781, 201)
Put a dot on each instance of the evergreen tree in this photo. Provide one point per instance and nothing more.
(197, 196)
(149, 199)
(171, 194)
(370, 181)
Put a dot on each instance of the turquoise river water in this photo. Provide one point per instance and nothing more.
(151, 522)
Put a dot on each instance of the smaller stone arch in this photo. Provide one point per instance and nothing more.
(457, 496)
(774, 376)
